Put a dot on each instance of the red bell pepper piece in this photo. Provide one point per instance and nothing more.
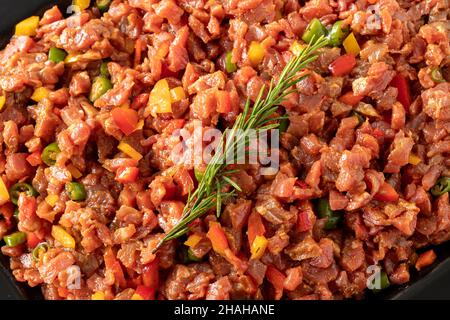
(220, 245)
(138, 51)
(217, 237)
(223, 102)
(113, 265)
(378, 133)
(255, 227)
(150, 274)
(145, 292)
(342, 65)
(125, 119)
(127, 174)
(32, 240)
(276, 278)
(350, 98)
(425, 259)
(386, 193)
(34, 159)
(404, 92)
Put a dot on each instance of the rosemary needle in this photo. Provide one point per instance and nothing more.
(209, 191)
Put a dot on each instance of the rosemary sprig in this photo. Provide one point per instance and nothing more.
(209, 191)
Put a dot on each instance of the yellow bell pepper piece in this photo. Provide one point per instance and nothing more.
(99, 295)
(129, 150)
(40, 94)
(81, 4)
(256, 53)
(63, 237)
(297, 48)
(2, 102)
(136, 297)
(160, 100)
(414, 160)
(74, 171)
(71, 58)
(52, 199)
(126, 105)
(177, 94)
(27, 27)
(351, 45)
(4, 194)
(193, 240)
(140, 125)
(258, 248)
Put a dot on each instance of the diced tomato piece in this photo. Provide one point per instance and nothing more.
(350, 98)
(35, 158)
(404, 92)
(223, 102)
(127, 174)
(342, 65)
(255, 227)
(217, 237)
(140, 101)
(386, 193)
(32, 240)
(146, 293)
(125, 119)
(304, 223)
(425, 259)
(150, 274)
(276, 278)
